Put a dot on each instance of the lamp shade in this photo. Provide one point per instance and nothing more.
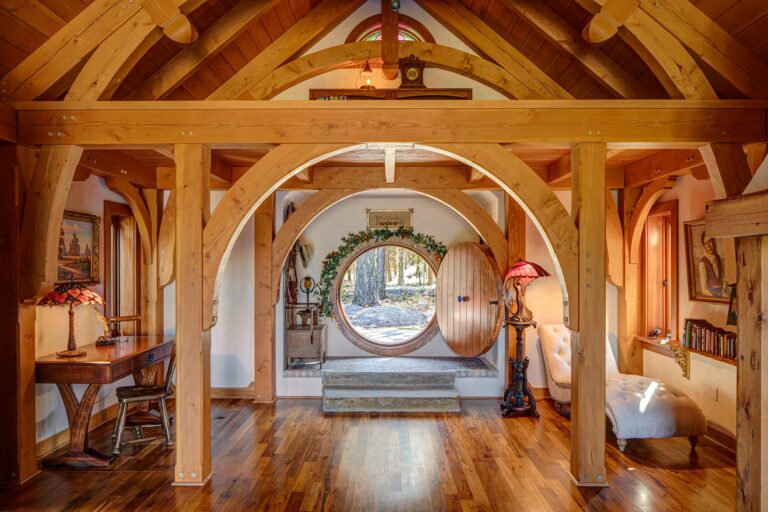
(70, 294)
(525, 270)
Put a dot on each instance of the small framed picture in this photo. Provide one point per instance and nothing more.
(78, 251)
(705, 262)
(389, 219)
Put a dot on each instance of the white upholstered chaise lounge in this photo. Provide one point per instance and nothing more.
(638, 407)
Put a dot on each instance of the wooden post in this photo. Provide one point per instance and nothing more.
(193, 352)
(630, 356)
(588, 344)
(9, 319)
(389, 41)
(264, 317)
(151, 293)
(516, 245)
(752, 377)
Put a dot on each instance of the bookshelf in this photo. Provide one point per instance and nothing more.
(667, 350)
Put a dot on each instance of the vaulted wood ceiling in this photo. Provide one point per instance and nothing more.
(28, 23)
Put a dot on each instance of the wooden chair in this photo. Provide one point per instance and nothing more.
(133, 394)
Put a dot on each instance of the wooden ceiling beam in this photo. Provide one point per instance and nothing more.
(662, 52)
(368, 177)
(74, 43)
(434, 55)
(119, 165)
(8, 129)
(710, 42)
(596, 62)
(218, 36)
(661, 165)
(232, 122)
(728, 168)
(465, 25)
(738, 216)
(168, 15)
(323, 18)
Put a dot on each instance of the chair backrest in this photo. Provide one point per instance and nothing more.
(169, 374)
(556, 346)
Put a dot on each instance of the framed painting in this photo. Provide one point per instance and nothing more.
(389, 219)
(78, 251)
(705, 262)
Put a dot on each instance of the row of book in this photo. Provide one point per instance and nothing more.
(702, 336)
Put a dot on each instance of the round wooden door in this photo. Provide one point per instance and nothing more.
(468, 293)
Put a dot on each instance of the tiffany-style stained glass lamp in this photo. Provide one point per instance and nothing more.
(70, 294)
(519, 276)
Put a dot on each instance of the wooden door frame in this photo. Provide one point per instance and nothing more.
(115, 209)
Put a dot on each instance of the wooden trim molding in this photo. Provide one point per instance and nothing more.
(349, 332)
(368, 23)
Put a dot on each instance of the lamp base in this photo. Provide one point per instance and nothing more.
(518, 399)
(71, 353)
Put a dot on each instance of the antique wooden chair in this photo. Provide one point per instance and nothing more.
(133, 394)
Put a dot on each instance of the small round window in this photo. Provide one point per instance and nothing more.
(386, 299)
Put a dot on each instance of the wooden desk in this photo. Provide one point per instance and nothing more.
(140, 356)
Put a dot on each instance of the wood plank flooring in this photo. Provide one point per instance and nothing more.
(288, 456)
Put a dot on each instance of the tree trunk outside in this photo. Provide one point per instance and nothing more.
(366, 287)
(381, 274)
(400, 266)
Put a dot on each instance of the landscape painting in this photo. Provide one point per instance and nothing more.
(78, 251)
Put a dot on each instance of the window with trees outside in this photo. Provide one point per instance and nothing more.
(659, 271)
(387, 295)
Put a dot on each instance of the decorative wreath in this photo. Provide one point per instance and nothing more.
(352, 241)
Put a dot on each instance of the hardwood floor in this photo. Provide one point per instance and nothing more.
(288, 456)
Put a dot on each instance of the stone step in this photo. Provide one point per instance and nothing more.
(395, 392)
(389, 379)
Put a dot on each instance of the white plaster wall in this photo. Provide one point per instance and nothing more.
(52, 324)
(712, 384)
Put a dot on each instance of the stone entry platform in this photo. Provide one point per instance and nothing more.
(477, 367)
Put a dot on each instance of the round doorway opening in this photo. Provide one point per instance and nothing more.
(387, 298)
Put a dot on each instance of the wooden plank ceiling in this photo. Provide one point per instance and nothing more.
(28, 23)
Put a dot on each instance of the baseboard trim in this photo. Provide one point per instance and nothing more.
(247, 392)
(540, 393)
(721, 437)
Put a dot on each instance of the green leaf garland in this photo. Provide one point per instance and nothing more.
(352, 241)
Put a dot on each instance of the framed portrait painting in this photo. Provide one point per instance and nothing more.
(78, 251)
(705, 261)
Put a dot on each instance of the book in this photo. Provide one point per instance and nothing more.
(701, 336)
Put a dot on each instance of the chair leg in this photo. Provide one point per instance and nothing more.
(120, 427)
(622, 444)
(694, 440)
(166, 422)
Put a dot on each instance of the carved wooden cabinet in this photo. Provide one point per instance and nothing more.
(306, 344)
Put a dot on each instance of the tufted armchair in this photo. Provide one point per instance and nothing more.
(638, 407)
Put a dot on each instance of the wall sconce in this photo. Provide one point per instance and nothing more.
(366, 76)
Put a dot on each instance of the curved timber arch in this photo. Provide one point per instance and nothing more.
(322, 200)
(439, 56)
(506, 169)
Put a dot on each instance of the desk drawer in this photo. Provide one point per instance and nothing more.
(152, 356)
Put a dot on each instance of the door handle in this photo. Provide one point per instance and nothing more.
(493, 303)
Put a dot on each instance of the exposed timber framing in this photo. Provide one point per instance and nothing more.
(132, 196)
(390, 41)
(184, 64)
(315, 24)
(634, 231)
(642, 122)
(264, 308)
(443, 57)
(728, 168)
(588, 343)
(465, 25)
(596, 62)
(166, 243)
(193, 353)
(516, 227)
(314, 206)
(512, 175)
(630, 354)
(661, 165)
